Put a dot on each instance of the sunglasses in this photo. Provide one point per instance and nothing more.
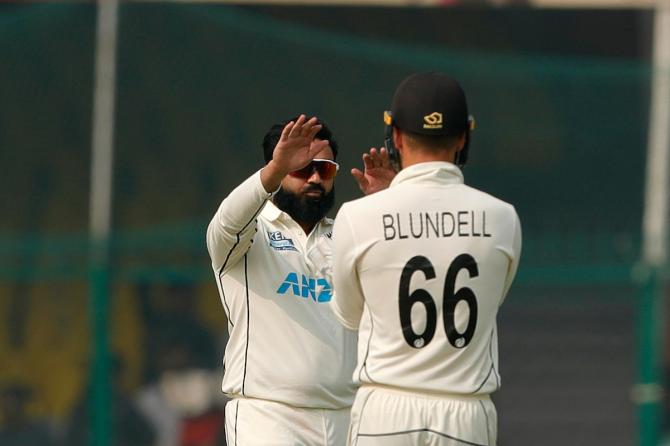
(327, 169)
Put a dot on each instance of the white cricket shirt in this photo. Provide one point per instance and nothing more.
(285, 345)
(421, 269)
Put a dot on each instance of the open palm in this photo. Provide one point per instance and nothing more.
(296, 146)
(378, 172)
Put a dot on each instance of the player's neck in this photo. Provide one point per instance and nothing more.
(307, 227)
(411, 157)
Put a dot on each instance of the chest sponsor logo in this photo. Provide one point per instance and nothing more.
(319, 290)
(279, 242)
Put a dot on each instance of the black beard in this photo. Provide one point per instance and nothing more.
(303, 209)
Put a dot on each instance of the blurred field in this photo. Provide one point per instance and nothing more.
(561, 102)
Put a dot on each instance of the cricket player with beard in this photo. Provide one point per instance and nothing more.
(420, 270)
(288, 363)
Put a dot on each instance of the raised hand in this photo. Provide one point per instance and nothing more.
(296, 146)
(294, 150)
(378, 172)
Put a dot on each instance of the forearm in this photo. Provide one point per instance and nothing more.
(234, 221)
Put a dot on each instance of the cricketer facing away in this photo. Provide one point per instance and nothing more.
(288, 363)
(420, 270)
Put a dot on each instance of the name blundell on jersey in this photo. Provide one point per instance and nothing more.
(462, 223)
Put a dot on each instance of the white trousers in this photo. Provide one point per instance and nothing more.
(254, 422)
(390, 417)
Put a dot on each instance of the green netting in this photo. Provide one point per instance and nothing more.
(561, 134)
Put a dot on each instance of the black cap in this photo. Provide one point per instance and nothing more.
(430, 104)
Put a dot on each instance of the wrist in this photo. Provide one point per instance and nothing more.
(272, 176)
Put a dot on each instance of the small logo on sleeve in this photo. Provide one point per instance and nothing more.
(277, 241)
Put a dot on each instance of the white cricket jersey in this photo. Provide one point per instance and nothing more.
(421, 269)
(285, 345)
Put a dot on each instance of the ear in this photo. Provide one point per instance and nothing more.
(398, 139)
(461, 143)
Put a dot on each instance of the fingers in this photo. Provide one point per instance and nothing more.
(376, 158)
(315, 128)
(287, 130)
(360, 178)
(297, 127)
(317, 146)
(384, 155)
(304, 128)
(367, 161)
(310, 127)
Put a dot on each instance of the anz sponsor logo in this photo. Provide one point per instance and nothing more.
(318, 290)
(279, 242)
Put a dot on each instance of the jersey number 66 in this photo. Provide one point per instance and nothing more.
(450, 299)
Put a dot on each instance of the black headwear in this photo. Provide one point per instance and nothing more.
(431, 104)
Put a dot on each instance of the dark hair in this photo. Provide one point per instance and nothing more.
(434, 143)
(272, 138)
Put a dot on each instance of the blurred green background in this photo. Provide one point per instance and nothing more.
(561, 99)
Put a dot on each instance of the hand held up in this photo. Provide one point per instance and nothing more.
(377, 174)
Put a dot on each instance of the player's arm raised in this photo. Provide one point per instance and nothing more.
(231, 231)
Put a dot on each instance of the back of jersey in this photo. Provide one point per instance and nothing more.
(433, 260)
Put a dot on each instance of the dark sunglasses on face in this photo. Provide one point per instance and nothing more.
(327, 169)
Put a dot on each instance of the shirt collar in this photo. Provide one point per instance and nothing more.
(272, 212)
(438, 172)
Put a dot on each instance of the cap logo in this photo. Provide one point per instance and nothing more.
(433, 121)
